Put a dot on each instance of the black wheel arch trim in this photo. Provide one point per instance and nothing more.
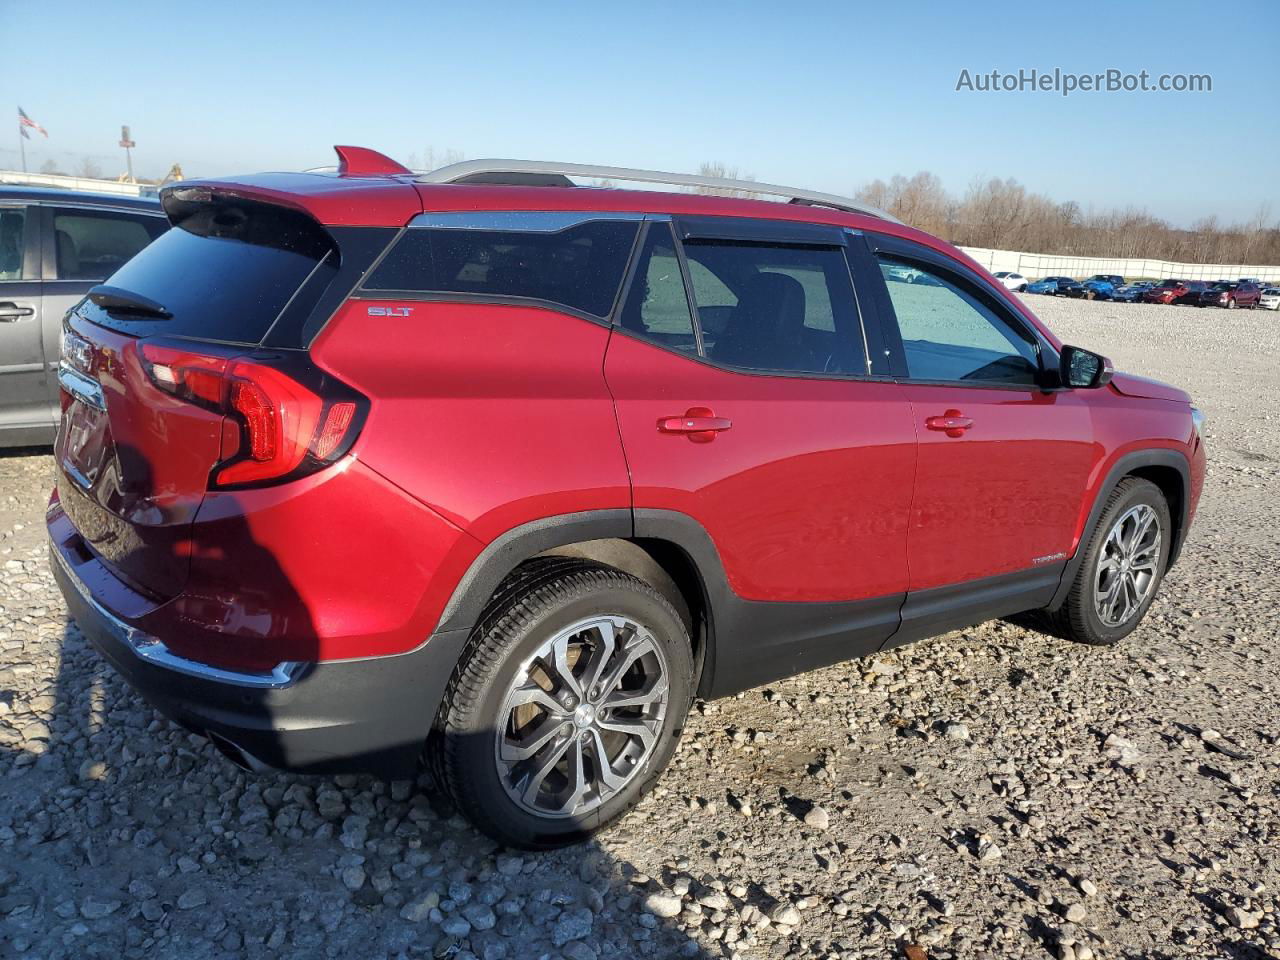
(1126, 465)
(519, 544)
(745, 643)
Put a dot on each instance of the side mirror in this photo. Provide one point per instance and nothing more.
(1083, 368)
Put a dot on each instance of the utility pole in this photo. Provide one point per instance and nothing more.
(128, 146)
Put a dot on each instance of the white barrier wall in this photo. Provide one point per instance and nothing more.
(1037, 265)
(78, 183)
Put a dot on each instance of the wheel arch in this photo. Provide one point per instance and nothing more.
(1169, 470)
(670, 551)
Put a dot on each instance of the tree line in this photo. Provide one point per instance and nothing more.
(1002, 214)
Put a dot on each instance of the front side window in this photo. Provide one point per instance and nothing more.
(949, 333)
(776, 308)
(656, 307)
(94, 244)
(12, 227)
(580, 266)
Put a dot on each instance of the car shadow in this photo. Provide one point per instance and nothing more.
(125, 833)
(32, 450)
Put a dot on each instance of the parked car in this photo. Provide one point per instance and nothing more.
(1231, 295)
(1011, 281)
(904, 275)
(54, 246)
(1270, 299)
(513, 473)
(1253, 280)
(1166, 291)
(1098, 289)
(1046, 285)
(1132, 292)
(1058, 286)
(1191, 294)
(1112, 278)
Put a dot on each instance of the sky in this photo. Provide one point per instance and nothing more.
(826, 96)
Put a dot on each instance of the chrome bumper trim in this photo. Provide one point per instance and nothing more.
(85, 389)
(152, 650)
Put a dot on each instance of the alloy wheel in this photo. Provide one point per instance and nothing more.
(1127, 565)
(581, 716)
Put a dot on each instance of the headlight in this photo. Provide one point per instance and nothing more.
(1197, 420)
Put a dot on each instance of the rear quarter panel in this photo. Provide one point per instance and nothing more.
(490, 415)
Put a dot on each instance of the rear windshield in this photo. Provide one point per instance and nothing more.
(224, 273)
(580, 267)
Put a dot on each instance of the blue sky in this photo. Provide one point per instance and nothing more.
(822, 95)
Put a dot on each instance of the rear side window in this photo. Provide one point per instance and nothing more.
(94, 244)
(12, 224)
(783, 308)
(580, 267)
(224, 272)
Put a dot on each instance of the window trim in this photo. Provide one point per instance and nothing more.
(791, 233)
(518, 221)
(899, 248)
(479, 300)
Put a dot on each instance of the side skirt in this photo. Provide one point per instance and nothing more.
(759, 642)
(927, 613)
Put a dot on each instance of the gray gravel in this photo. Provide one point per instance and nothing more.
(990, 793)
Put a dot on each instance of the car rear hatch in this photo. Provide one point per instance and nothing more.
(166, 391)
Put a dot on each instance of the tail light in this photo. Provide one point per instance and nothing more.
(285, 418)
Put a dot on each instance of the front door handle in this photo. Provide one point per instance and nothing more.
(953, 423)
(13, 312)
(699, 424)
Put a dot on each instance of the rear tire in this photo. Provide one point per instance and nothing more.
(1124, 563)
(533, 742)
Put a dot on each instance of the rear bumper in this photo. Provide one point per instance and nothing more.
(371, 715)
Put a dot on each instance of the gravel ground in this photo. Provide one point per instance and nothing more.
(991, 793)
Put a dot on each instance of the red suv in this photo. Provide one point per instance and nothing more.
(1231, 295)
(483, 468)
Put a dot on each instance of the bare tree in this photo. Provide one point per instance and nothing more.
(433, 158)
(1001, 213)
(88, 167)
(717, 169)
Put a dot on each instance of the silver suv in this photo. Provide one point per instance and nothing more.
(54, 246)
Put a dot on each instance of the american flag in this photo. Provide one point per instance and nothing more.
(24, 121)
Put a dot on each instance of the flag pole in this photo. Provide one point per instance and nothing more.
(22, 145)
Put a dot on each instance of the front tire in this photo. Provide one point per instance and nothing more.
(566, 705)
(1123, 565)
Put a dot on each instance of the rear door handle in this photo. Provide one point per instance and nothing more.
(953, 423)
(699, 424)
(12, 312)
